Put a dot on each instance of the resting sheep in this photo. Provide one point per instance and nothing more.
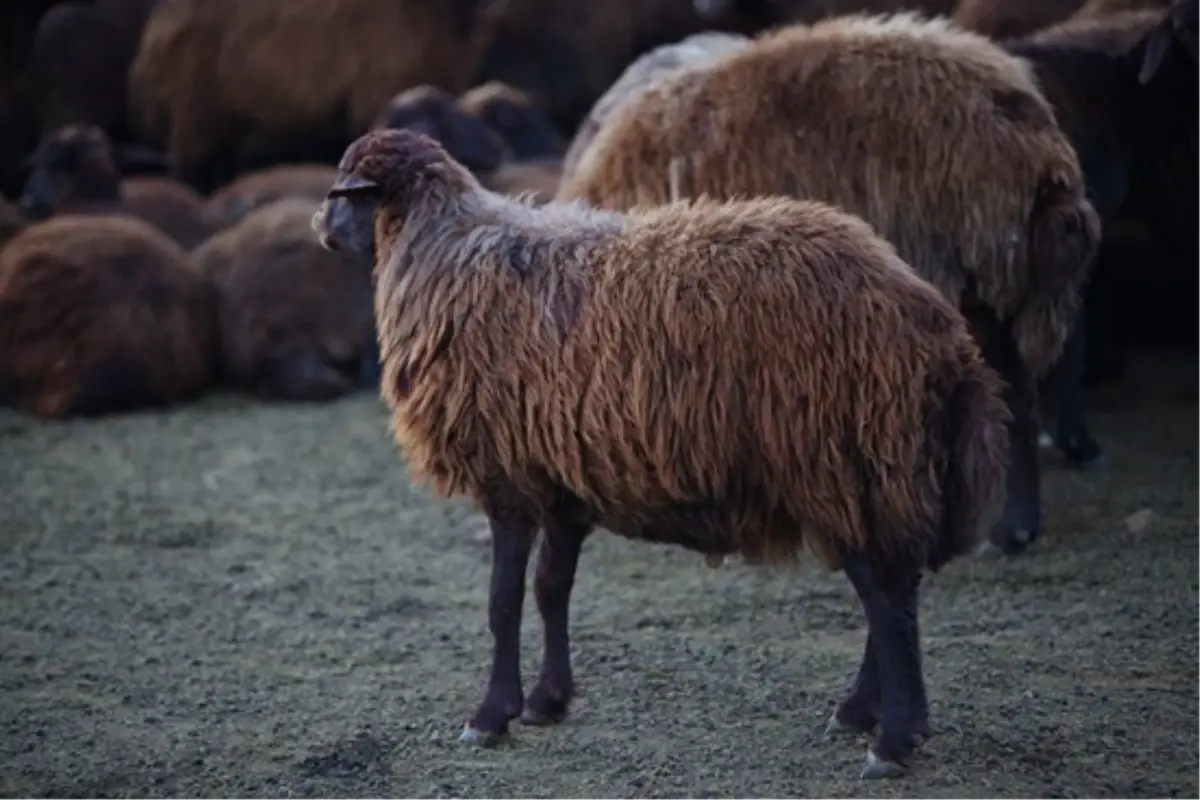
(695, 51)
(295, 321)
(101, 314)
(516, 117)
(258, 188)
(984, 198)
(1121, 90)
(433, 112)
(75, 170)
(753, 377)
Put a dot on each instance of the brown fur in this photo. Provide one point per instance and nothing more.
(640, 364)
(256, 189)
(985, 198)
(75, 171)
(434, 112)
(775, 12)
(259, 82)
(295, 320)
(12, 221)
(1095, 9)
(538, 180)
(695, 51)
(79, 60)
(100, 314)
(1009, 19)
(517, 117)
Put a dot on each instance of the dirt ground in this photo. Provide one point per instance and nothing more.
(237, 599)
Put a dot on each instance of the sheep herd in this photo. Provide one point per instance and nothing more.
(746, 276)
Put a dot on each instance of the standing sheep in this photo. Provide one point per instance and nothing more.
(259, 188)
(693, 52)
(74, 170)
(517, 117)
(756, 377)
(295, 321)
(101, 314)
(984, 198)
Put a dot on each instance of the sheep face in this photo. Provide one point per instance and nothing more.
(345, 221)
(431, 111)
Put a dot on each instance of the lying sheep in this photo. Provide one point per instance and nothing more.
(229, 85)
(753, 377)
(1121, 91)
(101, 314)
(253, 190)
(984, 198)
(521, 122)
(295, 321)
(75, 170)
(79, 60)
(433, 112)
(694, 51)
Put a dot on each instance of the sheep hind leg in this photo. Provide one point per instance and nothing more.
(1074, 439)
(512, 540)
(889, 599)
(858, 712)
(558, 556)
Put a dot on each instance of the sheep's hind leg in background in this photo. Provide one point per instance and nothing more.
(558, 556)
(889, 598)
(1021, 523)
(858, 712)
(1074, 439)
(513, 533)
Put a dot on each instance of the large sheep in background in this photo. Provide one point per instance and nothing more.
(229, 85)
(753, 377)
(101, 314)
(984, 198)
(295, 321)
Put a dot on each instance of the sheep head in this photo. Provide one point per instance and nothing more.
(387, 171)
(76, 165)
(429, 110)
(518, 118)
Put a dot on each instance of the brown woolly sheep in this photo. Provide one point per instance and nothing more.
(79, 61)
(985, 198)
(433, 112)
(230, 85)
(253, 190)
(523, 125)
(698, 50)
(101, 314)
(753, 377)
(1120, 90)
(74, 171)
(295, 320)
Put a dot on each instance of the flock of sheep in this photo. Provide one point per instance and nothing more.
(748, 276)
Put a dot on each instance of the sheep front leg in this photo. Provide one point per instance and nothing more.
(1074, 439)
(890, 598)
(512, 541)
(558, 557)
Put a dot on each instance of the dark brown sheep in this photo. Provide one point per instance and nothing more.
(79, 61)
(985, 198)
(74, 170)
(229, 85)
(101, 314)
(256, 189)
(433, 112)
(521, 122)
(295, 320)
(695, 51)
(753, 377)
(1120, 91)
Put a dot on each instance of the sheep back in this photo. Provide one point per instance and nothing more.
(101, 314)
(729, 377)
(258, 188)
(172, 207)
(295, 320)
(985, 198)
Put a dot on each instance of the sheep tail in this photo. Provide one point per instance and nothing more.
(976, 446)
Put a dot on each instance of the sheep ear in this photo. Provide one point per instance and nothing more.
(1158, 42)
(351, 185)
(138, 157)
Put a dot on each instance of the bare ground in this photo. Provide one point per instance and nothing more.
(236, 599)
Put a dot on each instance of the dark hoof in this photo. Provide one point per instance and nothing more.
(480, 738)
(1012, 539)
(878, 768)
(542, 709)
